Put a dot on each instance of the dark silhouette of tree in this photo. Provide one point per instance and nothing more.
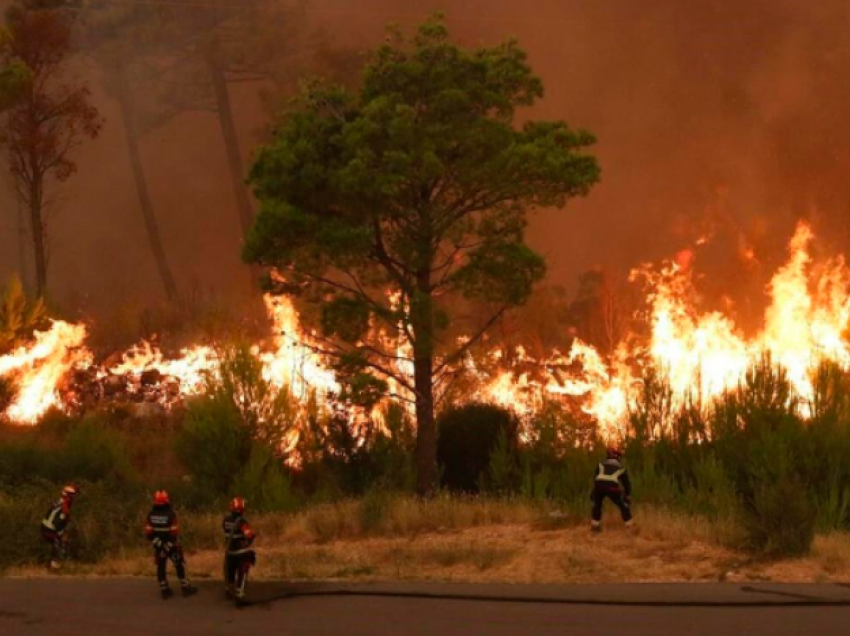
(52, 118)
(418, 183)
(119, 38)
(223, 43)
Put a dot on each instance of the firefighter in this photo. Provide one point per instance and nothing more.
(162, 531)
(55, 524)
(611, 481)
(238, 557)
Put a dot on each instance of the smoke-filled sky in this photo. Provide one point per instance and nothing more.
(722, 119)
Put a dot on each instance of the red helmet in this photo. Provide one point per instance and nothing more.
(237, 505)
(70, 491)
(160, 498)
(615, 451)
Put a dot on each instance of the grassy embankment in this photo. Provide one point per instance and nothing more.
(471, 540)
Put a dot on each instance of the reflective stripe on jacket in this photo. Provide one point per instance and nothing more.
(611, 474)
(237, 533)
(57, 518)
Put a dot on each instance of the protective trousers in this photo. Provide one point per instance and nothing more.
(599, 495)
(57, 541)
(236, 567)
(162, 557)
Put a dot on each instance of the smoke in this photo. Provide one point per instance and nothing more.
(721, 120)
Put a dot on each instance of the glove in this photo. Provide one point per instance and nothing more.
(157, 543)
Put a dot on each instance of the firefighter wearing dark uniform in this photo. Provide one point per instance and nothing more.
(55, 524)
(162, 531)
(238, 557)
(612, 482)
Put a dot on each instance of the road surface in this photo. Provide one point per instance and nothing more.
(129, 607)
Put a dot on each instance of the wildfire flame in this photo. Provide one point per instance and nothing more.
(38, 369)
(700, 354)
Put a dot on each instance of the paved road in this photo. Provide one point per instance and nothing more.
(130, 607)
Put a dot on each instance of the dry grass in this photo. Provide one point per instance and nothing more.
(485, 541)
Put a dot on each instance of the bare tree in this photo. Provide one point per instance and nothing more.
(45, 128)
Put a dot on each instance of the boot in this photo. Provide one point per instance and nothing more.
(55, 565)
(166, 593)
(595, 526)
(189, 590)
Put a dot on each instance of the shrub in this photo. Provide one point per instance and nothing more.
(779, 511)
(93, 453)
(264, 483)
(467, 437)
(213, 444)
(89, 452)
(502, 476)
(780, 519)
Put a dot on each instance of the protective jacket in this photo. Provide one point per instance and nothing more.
(57, 518)
(237, 533)
(611, 476)
(161, 527)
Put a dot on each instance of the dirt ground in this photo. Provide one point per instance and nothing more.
(663, 548)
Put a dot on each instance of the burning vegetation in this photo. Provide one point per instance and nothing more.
(701, 356)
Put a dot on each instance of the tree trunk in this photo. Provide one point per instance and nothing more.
(39, 238)
(148, 215)
(422, 323)
(426, 426)
(231, 141)
(22, 247)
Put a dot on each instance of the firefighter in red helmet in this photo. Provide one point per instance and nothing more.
(611, 481)
(54, 526)
(163, 532)
(238, 557)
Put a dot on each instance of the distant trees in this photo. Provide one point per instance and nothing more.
(223, 43)
(119, 39)
(419, 183)
(52, 117)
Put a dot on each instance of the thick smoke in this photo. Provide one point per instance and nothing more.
(720, 120)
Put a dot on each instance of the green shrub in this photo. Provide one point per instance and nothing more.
(24, 460)
(780, 519)
(89, 452)
(502, 476)
(93, 453)
(467, 437)
(264, 483)
(213, 444)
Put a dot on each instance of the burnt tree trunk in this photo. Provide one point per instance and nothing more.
(145, 204)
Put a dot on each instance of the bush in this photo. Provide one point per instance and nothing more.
(780, 519)
(90, 452)
(264, 483)
(93, 453)
(466, 439)
(213, 444)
